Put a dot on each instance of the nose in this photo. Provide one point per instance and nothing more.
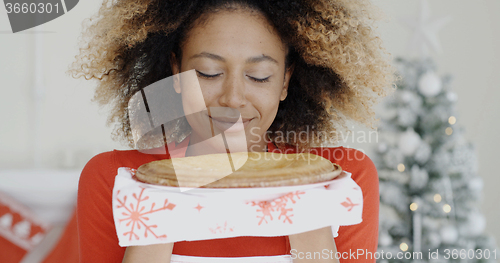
(233, 92)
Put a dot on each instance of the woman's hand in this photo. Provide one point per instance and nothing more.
(149, 253)
(320, 241)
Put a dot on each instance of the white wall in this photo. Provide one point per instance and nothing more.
(73, 126)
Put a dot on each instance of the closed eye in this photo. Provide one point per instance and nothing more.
(260, 80)
(206, 76)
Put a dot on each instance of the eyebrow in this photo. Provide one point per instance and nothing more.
(251, 60)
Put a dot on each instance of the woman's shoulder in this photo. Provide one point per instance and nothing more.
(340, 154)
(125, 158)
(103, 167)
(98, 170)
(351, 160)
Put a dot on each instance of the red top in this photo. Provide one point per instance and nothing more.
(99, 243)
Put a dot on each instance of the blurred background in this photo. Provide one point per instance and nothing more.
(50, 128)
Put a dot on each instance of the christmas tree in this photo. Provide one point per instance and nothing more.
(430, 191)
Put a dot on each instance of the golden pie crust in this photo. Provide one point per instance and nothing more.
(261, 169)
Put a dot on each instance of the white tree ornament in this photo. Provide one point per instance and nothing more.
(449, 234)
(429, 84)
(409, 142)
(476, 223)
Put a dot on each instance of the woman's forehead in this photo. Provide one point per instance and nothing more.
(235, 33)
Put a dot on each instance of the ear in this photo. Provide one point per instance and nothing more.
(288, 76)
(175, 73)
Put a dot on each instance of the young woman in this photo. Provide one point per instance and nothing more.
(288, 67)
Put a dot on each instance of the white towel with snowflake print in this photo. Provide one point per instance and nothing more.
(147, 214)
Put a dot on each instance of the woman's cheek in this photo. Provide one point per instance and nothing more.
(192, 93)
(272, 102)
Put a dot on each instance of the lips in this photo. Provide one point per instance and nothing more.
(230, 124)
(229, 119)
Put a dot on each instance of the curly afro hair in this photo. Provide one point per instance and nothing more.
(340, 66)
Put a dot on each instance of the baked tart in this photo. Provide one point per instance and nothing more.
(252, 169)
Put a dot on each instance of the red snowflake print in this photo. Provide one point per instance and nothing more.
(221, 229)
(135, 215)
(348, 204)
(277, 206)
(199, 207)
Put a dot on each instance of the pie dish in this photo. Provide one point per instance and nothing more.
(252, 169)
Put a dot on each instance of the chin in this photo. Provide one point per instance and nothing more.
(236, 142)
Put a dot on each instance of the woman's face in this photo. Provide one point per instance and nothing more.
(239, 62)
